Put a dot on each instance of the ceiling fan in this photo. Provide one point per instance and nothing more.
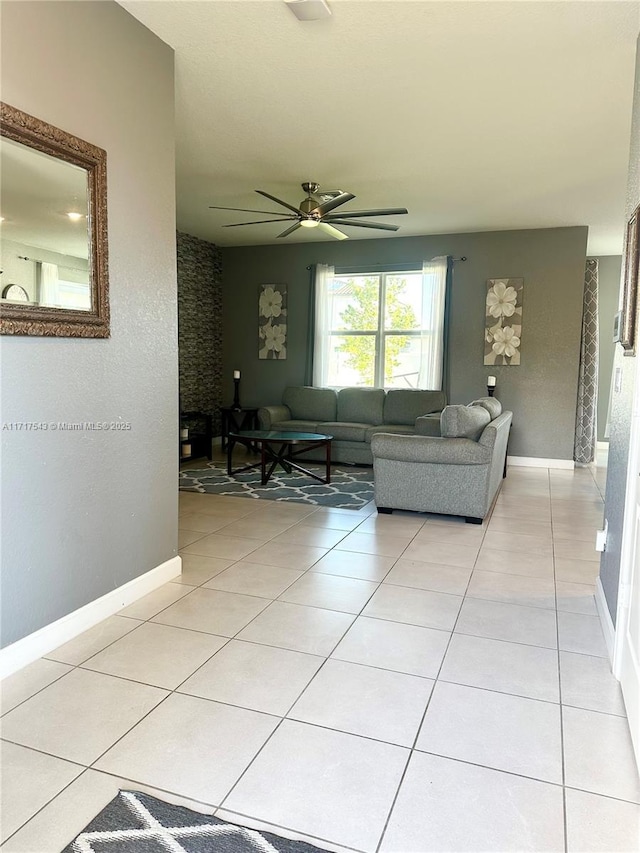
(316, 211)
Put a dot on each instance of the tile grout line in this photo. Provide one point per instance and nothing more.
(282, 719)
(197, 801)
(271, 736)
(560, 711)
(18, 704)
(378, 585)
(424, 714)
(290, 829)
(91, 765)
(36, 813)
(83, 664)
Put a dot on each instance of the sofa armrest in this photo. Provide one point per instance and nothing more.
(428, 425)
(268, 415)
(501, 424)
(417, 448)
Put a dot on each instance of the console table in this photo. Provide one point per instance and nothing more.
(236, 420)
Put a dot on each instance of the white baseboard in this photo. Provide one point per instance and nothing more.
(34, 646)
(605, 619)
(538, 462)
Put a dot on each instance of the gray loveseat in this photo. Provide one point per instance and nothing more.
(354, 415)
(458, 473)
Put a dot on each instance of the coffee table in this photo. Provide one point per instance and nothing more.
(279, 448)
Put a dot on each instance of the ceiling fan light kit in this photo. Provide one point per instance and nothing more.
(309, 10)
(316, 211)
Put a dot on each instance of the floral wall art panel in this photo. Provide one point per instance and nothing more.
(272, 321)
(503, 321)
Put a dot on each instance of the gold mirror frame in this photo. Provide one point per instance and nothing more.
(62, 322)
(630, 284)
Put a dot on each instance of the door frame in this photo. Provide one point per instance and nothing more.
(630, 541)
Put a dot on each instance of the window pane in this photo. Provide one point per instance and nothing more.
(354, 303)
(403, 357)
(352, 360)
(74, 295)
(404, 303)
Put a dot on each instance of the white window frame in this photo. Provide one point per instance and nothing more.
(434, 334)
(380, 334)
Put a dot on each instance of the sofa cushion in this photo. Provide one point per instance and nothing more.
(313, 404)
(360, 406)
(295, 426)
(344, 431)
(404, 405)
(391, 429)
(428, 425)
(493, 406)
(463, 421)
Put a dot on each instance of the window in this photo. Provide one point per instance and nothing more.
(380, 329)
(74, 295)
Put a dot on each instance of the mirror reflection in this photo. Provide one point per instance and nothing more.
(45, 236)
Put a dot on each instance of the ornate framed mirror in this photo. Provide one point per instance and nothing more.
(53, 236)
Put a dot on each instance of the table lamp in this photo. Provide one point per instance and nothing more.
(236, 390)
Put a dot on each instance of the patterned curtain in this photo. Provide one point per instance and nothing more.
(584, 449)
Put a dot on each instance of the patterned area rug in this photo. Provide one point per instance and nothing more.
(350, 488)
(137, 823)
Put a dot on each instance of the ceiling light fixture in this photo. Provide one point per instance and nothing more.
(73, 216)
(309, 223)
(309, 10)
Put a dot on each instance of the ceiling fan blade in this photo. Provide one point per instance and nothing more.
(355, 214)
(333, 232)
(258, 222)
(244, 209)
(326, 206)
(279, 201)
(379, 225)
(290, 230)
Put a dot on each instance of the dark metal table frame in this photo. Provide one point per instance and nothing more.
(281, 455)
(238, 420)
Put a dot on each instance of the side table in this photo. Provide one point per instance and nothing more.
(236, 420)
(200, 438)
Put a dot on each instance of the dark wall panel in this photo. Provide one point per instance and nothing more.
(199, 325)
(541, 391)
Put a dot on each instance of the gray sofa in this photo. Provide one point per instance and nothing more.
(458, 473)
(353, 416)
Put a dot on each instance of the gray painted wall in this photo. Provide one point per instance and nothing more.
(541, 391)
(84, 512)
(608, 295)
(622, 402)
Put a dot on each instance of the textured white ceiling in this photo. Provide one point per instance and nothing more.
(474, 115)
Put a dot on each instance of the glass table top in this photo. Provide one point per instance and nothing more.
(274, 435)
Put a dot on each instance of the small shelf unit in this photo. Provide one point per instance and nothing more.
(200, 426)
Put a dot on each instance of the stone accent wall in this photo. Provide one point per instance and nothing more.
(200, 326)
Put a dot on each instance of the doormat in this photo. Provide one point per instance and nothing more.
(350, 488)
(134, 822)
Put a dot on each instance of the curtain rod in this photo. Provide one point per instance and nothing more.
(395, 266)
(64, 266)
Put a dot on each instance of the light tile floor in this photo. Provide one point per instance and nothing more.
(400, 684)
